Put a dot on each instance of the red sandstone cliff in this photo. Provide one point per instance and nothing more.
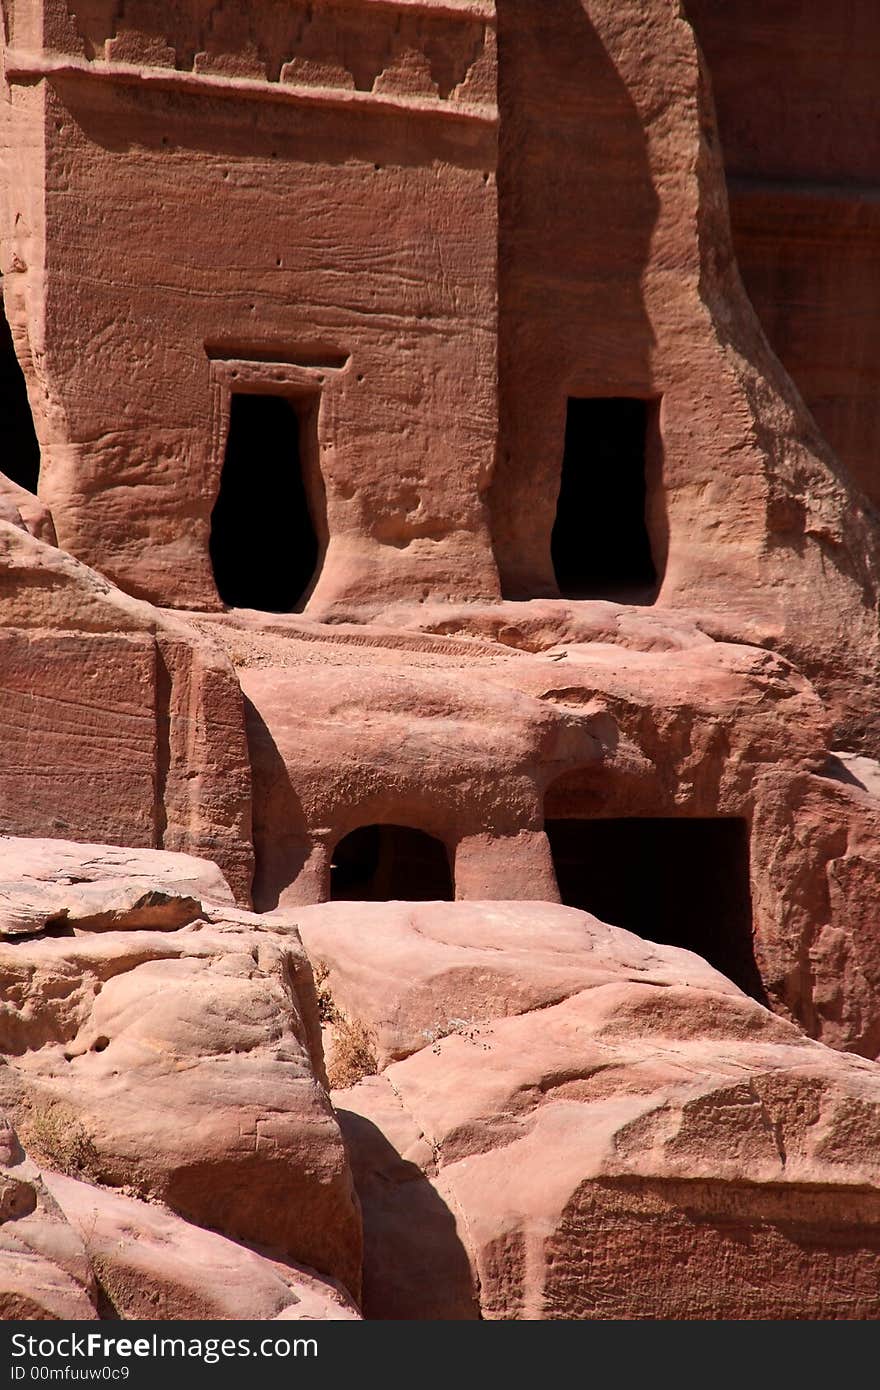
(401, 347)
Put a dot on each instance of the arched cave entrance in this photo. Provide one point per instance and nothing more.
(681, 882)
(19, 449)
(600, 545)
(264, 547)
(378, 863)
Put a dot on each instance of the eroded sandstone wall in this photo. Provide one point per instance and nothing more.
(795, 89)
(302, 200)
(299, 199)
(120, 723)
(329, 209)
(617, 278)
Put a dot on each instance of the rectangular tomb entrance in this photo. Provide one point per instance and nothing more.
(268, 530)
(19, 450)
(600, 544)
(263, 545)
(682, 882)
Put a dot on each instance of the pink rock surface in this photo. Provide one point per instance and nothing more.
(402, 228)
(792, 123)
(183, 1066)
(478, 734)
(420, 290)
(819, 900)
(416, 973)
(21, 508)
(153, 1265)
(630, 287)
(100, 887)
(122, 725)
(433, 235)
(45, 1272)
(464, 737)
(651, 1146)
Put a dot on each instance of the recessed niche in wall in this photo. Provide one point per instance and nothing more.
(683, 882)
(379, 863)
(600, 546)
(264, 546)
(19, 449)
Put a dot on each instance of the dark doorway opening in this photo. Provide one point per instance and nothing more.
(264, 547)
(19, 449)
(679, 882)
(378, 863)
(600, 544)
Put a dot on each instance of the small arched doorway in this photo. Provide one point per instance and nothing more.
(380, 863)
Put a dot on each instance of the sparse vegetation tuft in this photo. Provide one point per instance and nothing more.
(351, 1051)
(326, 1007)
(56, 1136)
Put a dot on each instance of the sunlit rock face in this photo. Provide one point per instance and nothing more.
(439, 782)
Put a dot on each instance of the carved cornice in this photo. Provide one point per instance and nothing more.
(29, 67)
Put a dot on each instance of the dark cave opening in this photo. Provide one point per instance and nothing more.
(264, 547)
(600, 545)
(379, 863)
(681, 882)
(20, 451)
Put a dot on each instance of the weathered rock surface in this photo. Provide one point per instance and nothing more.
(652, 1145)
(182, 1066)
(153, 1265)
(53, 883)
(45, 1271)
(464, 736)
(484, 722)
(531, 207)
(415, 973)
(630, 287)
(819, 901)
(475, 221)
(794, 91)
(122, 725)
(70, 1250)
(23, 509)
(403, 226)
